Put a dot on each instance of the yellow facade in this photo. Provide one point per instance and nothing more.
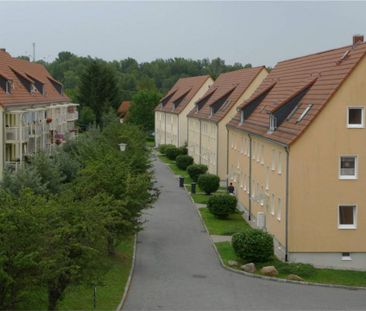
(172, 128)
(314, 188)
(210, 147)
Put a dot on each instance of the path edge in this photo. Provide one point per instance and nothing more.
(128, 283)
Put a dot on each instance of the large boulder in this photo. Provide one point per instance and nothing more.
(269, 271)
(294, 277)
(232, 263)
(249, 267)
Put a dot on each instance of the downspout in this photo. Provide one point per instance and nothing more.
(217, 149)
(200, 140)
(250, 177)
(287, 186)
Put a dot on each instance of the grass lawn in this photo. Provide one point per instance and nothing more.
(327, 276)
(234, 223)
(109, 295)
(165, 159)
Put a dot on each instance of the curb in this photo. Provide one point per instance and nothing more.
(128, 284)
(258, 276)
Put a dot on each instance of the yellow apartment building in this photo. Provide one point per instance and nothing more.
(297, 157)
(207, 133)
(35, 114)
(171, 113)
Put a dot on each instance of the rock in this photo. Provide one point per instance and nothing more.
(232, 263)
(249, 267)
(269, 271)
(294, 277)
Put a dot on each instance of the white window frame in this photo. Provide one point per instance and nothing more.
(356, 126)
(348, 177)
(348, 227)
(346, 258)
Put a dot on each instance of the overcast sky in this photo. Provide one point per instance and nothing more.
(261, 33)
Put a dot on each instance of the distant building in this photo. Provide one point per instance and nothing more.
(207, 133)
(297, 157)
(35, 114)
(123, 110)
(171, 113)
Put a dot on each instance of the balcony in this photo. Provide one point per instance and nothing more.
(16, 134)
(72, 116)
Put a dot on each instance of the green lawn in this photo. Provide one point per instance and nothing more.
(234, 223)
(109, 295)
(327, 276)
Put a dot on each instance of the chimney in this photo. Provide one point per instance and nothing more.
(2, 50)
(357, 39)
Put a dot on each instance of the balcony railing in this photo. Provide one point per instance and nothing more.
(16, 134)
(72, 116)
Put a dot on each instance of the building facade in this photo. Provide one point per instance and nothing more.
(297, 157)
(35, 115)
(171, 113)
(207, 133)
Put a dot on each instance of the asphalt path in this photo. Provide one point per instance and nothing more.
(176, 267)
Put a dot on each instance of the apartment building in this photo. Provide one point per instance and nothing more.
(35, 114)
(207, 133)
(171, 113)
(297, 157)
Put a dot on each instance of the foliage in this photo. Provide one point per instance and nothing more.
(253, 245)
(163, 147)
(86, 117)
(195, 170)
(300, 269)
(141, 110)
(209, 183)
(183, 150)
(172, 152)
(222, 205)
(98, 89)
(183, 161)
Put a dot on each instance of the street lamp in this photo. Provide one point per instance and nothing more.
(122, 146)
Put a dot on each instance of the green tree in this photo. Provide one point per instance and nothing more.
(98, 89)
(141, 111)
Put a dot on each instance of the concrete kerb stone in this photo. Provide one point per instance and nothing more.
(128, 284)
(258, 276)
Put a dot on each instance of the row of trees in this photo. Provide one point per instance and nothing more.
(60, 215)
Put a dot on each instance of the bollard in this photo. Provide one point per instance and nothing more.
(193, 188)
(181, 181)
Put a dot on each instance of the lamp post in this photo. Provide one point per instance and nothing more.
(122, 146)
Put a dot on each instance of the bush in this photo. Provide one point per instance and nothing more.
(222, 205)
(195, 170)
(300, 269)
(253, 245)
(183, 161)
(209, 183)
(183, 150)
(162, 148)
(172, 152)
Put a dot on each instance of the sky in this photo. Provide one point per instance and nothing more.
(260, 33)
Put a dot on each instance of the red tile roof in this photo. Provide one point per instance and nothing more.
(181, 94)
(308, 81)
(123, 108)
(15, 70)
(225, 93)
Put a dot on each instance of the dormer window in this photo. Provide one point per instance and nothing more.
(211, 112)
(241, 117)
(8, 86)
(272, 123)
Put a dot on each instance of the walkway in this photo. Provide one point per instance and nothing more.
(177, 268)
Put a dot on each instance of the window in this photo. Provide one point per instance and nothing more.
(304, 113)
(279, 209)
(347, 217)
(272, 204)
(346, 256)
(279, 170)
(355, 117)
(348, 167)
(273, 160)
(241, 117)
(272, 123)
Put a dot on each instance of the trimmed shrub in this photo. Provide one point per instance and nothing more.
(183, 161)
(183, 150)
(253, 245)
(209, 183)
(162, 148)
(172, 152)
(222, 205)
(195, 170)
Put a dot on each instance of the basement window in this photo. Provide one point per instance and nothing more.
(346, 256)
(355, 117)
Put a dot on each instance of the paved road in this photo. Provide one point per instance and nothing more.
(177, 268)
